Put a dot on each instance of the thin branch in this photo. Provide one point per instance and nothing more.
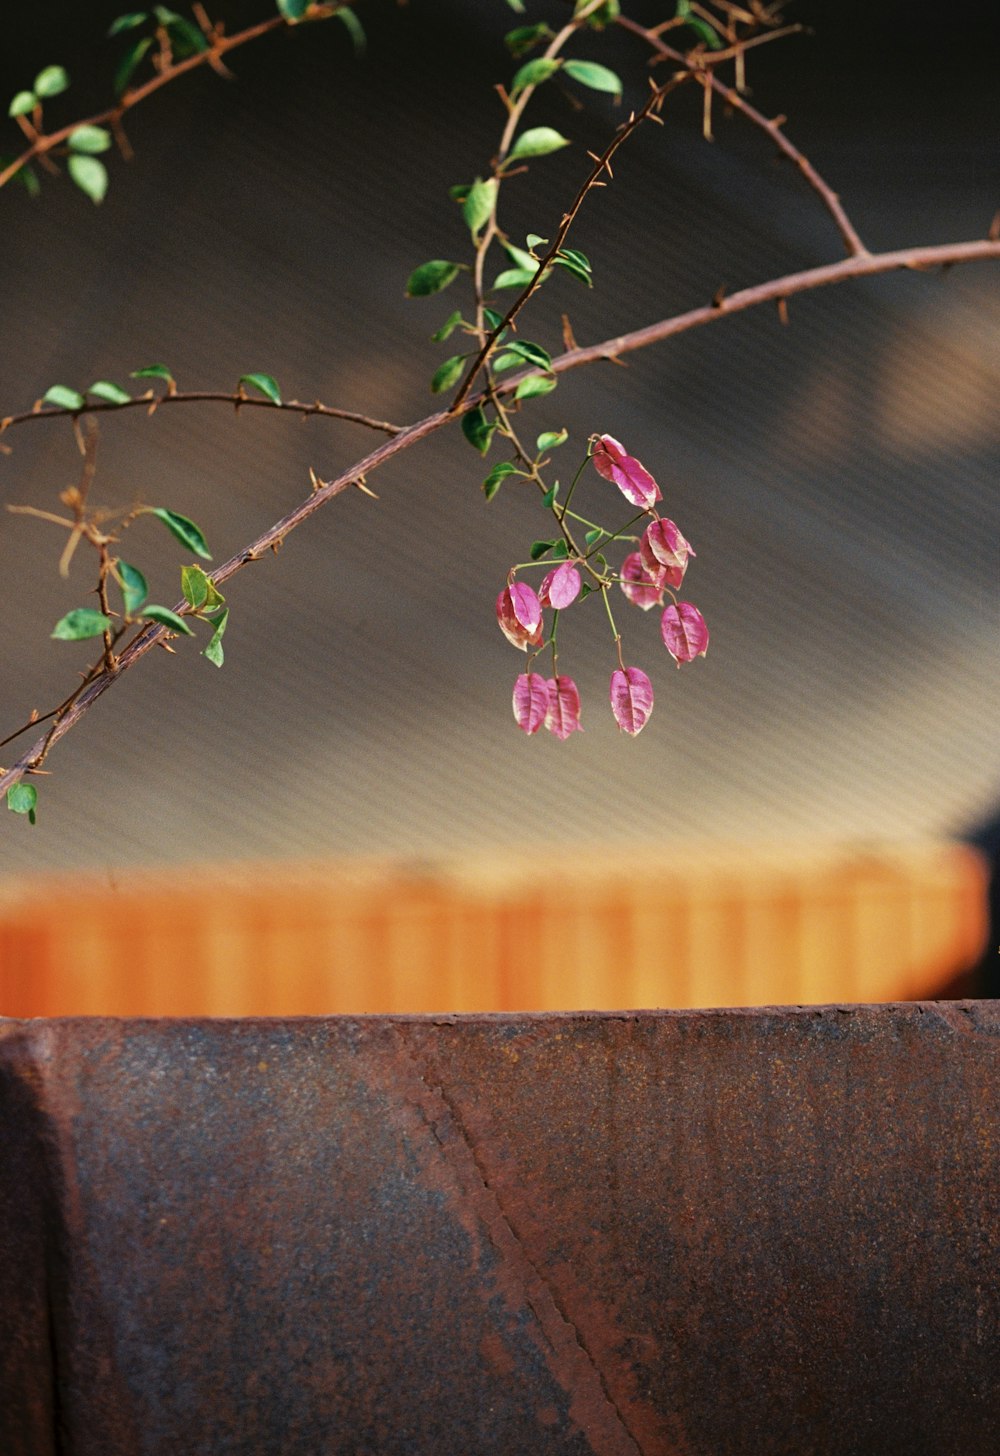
(830, 200)
(916, 259)
(151, 402)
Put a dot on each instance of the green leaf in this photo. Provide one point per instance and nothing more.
(540, 549)
(127, 22)
(134, 587)
(113, 393)
(598, 78)
(500, 362)
(549, 498)
(82, 623)
(513, 278)
(129, 62)
(267, 385)
(537, 141)
(153, 371)
(293, 10)
(449, 326)
(166, 618)
(517, 6)
(533, 240)
(23, 799)
(431, 278)
(593, 536)
(23, 102)
(550, 439)
(560, 551)
(576, 264)
(51, 81)
(186, 532)
(535, 384)
(601, 561)
(359, 41)
(477, 429)
(28, 181)
(90, 175)
(530, 353)
(89, 139)
(200, 590)
(460, 191)
(497, 476)
(704, 32)
(64, 398)
(478, 206)
(525, 36)
(186, 38)
(448, 373)
(493, 319)
(214, 651)
(605, 14)
(533, 73)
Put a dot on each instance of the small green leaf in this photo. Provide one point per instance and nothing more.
(477, 429)
(293, 10)
(593, 536)
(598, 78)
(531, 353)
(28, 180)
(448, 373)
(134, 587)
(549, 498)
(214, 651)
(449, 326)
(533, 73)
(550, 439)
(500, 362)
(127, 22)
(493, 319)
(186, 532)
(517, 6)
(576, 264)
(601, 561)
(513, 278)
(23, 102)
(186, 38)
(113, 393)
(460, 191)
(605, 14)
(704, 32)
(560, 551)
(534, 385)
(166, 618)
(497, 476)
(23, 799)
(200, 590)
(89, 139)
(265, 383)
(51, 81)
(129, 63)
(90, 175)
(431, 278)
(478, 206)
(359, 40)
(153, 371)
(539, 549)
(525, 36)
(64, 398)
(533, 240)
(82, 623)
(537, 141)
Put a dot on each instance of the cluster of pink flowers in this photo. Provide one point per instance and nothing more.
(646, 576)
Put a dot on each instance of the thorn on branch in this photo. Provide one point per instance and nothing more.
(718, 297)
(993, 236)
(783, 310)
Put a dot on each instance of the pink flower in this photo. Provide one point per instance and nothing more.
(561, 587)
(633, 480)
(663, 545)
(631, 699)
(519, 614)
(563, 716)
(531, 701)
(642, 587)
(684, 633)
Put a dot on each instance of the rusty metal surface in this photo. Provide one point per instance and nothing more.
(675, 1234)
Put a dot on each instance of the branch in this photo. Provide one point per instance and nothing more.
(708, 78)
(861, 266)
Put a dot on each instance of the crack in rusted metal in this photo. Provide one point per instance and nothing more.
(611, 1437)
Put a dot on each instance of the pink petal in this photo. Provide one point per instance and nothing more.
(631, 477)
(563, 716)
(643, 588)
(531, 701)
(561, 587)
(684, 633)
(631, 699)
(663, 541)
(671, 576)
(519, 615)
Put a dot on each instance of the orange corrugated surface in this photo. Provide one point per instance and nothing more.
(542, 931)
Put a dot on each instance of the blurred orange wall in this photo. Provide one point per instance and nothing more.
(543, 930)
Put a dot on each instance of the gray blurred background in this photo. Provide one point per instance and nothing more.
(837, 476)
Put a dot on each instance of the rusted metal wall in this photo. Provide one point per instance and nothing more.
(688, 1234)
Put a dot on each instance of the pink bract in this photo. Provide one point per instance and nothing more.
(642, 587)
(531, 701)
(563, 716)
(631, 477)
(663, 545)
(519, 614)
(561, 587)
(684, 633)
(631, 699)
